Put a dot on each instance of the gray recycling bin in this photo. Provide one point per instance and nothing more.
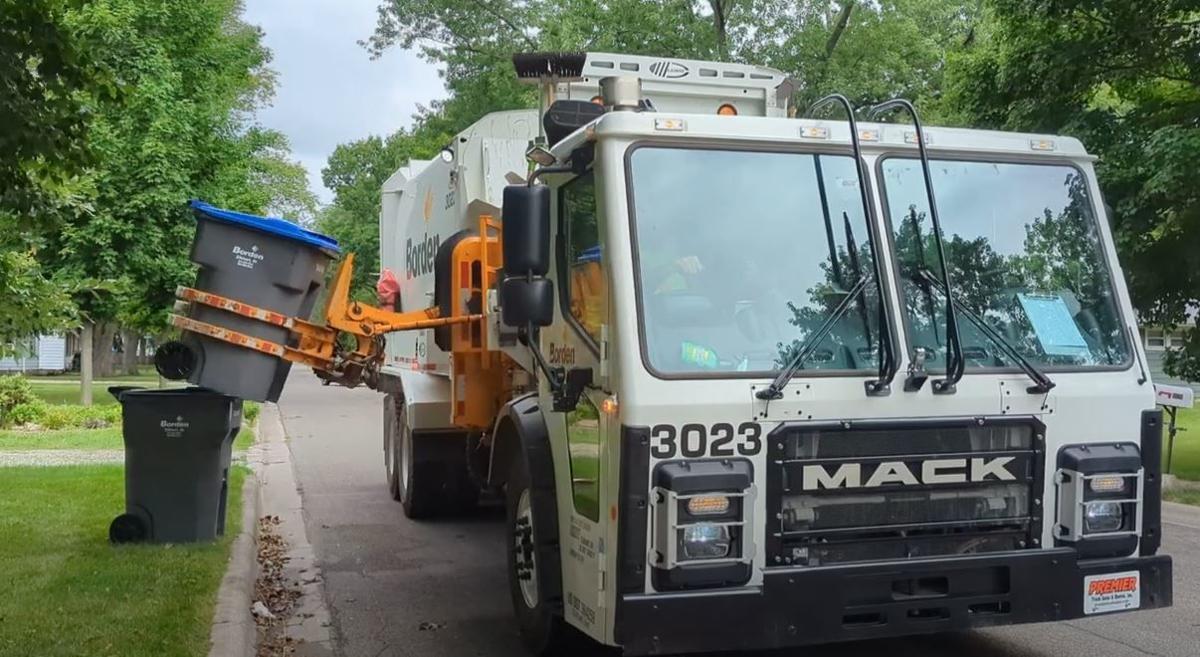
(178, 443)
(265, 262)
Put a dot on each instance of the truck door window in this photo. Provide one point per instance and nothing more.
(583, 284)
(583, 443)
(1024, 253)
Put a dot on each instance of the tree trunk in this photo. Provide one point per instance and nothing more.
(102, 349)
(720, 26)
(85, 364)
(839, 28)
(129, 359)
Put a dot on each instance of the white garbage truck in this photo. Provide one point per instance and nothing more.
(751, 376)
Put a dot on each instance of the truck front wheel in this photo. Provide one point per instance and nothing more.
(534, 578)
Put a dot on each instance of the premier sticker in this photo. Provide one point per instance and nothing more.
(1112, 592)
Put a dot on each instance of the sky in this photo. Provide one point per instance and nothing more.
(328, 90)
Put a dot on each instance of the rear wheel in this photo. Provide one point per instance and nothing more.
(431, 471)
(534, 575)
(391, 457)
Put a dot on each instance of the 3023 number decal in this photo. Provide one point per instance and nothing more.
(697, 440)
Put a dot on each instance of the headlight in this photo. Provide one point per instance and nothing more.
(705, 541)
(1103, 517)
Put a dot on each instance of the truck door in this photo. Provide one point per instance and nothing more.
(577, 437)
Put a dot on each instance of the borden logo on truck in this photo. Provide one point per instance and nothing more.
(419, 258)
(932, 471)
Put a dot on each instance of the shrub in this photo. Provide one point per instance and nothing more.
(65, 416)
(27, 413)
(14, 390)
(250, 411)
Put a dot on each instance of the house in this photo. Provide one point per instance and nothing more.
(1157, 341)
(44, 354)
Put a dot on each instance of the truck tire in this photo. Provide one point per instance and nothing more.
(534, 571)
(431, 472)
(391, 457)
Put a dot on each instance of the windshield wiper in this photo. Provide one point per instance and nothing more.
(1041, 383)
(881, 385)
(954, 362)
(775, 390)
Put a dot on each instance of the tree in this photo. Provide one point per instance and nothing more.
(30, 303)
(1123, 77)
(44, 72)
(190, 74)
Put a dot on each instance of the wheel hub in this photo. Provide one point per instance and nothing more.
(525, 553)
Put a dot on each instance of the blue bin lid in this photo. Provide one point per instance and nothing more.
(273, 225)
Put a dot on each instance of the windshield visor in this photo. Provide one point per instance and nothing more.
(1023, 252)
(740, 255)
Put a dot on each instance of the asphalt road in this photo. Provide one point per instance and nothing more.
(399, 588)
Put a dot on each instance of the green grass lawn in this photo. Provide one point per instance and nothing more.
(1183, 496)
(1185, 463)
(67, 392)
(67, 591)
(109, 438)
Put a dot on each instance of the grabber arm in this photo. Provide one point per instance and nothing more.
(367, 324)
(347, 362)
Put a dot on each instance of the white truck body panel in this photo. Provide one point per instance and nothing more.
(427, 202)
(689, 86)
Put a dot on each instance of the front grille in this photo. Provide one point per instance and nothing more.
(875, 490)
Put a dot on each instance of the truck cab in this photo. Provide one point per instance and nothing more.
(770, 380)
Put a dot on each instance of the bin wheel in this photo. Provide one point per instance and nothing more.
(128, 528)
(432, 472)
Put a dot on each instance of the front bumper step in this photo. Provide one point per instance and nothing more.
(799, 606)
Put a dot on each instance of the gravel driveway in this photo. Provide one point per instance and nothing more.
(61, 457)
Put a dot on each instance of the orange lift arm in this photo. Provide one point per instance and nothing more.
(481, 374)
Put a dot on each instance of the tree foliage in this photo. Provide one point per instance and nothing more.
(1124, 77)
(44, 71)
(121, 111)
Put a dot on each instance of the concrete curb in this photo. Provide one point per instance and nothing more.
(310, 622)
(234, 633)
(1171, 482)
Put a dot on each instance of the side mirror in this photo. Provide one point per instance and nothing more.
(525, 221)
(525, 301)
(526, 296)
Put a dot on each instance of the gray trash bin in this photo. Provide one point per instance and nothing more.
(265, 262)
(177, 450)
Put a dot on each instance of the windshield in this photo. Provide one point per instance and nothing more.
(1023, 252)
(742, 254)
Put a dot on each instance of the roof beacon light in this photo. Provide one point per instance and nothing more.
(727, 109)
(1041, 144)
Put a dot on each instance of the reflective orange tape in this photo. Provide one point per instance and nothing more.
(234, 306)
(226, 335)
